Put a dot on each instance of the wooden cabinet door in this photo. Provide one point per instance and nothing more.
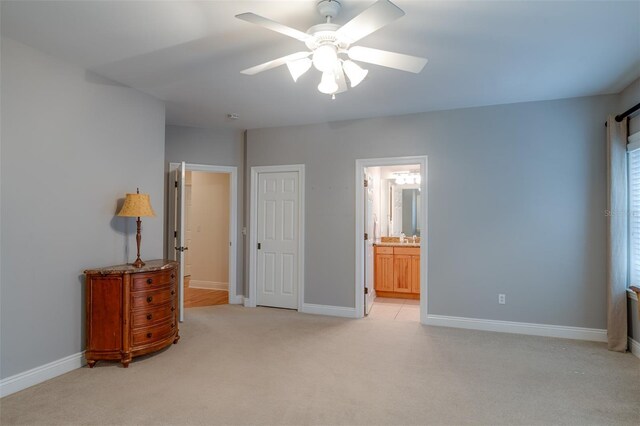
(104, 313)
(415, 274)
(402, 273)
(383, 275)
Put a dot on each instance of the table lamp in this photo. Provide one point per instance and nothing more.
(137, 205)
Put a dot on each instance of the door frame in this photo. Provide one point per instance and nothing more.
(361, 165)
(253, 227)
(232, 171)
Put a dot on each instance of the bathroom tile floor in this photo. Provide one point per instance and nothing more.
(395, 309)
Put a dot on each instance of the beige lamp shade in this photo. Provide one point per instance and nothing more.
(137, 205)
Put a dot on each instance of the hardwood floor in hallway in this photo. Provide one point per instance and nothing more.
(197, 297)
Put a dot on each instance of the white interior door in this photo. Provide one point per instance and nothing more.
(277, 236)
(176, 248)
(369, 292)
(188, 209)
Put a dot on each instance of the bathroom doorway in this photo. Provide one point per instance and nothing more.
(391, 238)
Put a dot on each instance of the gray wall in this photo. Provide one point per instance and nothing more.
(216, 147)
(72, 145)
(628, 98)
(516, 205)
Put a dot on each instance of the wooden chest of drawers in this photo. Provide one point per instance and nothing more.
(130, 311)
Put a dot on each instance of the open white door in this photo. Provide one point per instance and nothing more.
(369, 292)
(176, 247)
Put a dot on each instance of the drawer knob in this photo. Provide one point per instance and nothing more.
(173, 276)
(149, 316)
(173, 308)
(149, 280)
(149, 299)
(173, 292)
(149, 335)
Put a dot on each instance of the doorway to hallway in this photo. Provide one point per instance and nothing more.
(206, 269)
(202, 232)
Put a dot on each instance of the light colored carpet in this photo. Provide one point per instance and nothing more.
(237, 365)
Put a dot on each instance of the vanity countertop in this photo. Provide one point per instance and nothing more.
(381, 244)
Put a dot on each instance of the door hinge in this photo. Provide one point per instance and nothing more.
(175, 234)
(366, 183)
(366, 236)
(176, 184)
(366, 290)
(259, 246)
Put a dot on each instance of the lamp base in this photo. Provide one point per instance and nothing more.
(138, 263)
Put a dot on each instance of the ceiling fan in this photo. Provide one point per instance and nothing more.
(330, 50)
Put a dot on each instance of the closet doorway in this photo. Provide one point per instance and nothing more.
(202, 231)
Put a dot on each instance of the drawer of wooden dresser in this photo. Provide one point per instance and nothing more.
(152, 280)
(149, 299)
(143, 336)
(152, 315)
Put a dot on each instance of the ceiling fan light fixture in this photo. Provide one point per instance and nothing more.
(328, 83)
(299, 67)
(355, 73)
(325, 57)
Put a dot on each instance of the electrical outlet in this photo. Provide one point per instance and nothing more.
(502, 299)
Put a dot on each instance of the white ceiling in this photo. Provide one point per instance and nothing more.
(189, 54)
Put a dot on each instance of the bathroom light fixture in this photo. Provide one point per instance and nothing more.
(407, 178)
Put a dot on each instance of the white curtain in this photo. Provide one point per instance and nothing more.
(617, 234)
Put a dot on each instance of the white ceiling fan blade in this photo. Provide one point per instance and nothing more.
(274, 26)
(340, 78)
(275, 63)
(398, 61)
(376, 16)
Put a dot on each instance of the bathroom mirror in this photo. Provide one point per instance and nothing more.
(411, 211)
(404, 210)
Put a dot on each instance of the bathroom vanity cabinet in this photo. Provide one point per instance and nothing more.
(397, 271)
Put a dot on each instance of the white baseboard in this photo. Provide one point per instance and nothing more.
(40, 374)
(334, 311)
(212, 285)
(565, 332)
(237, 299)
(634, 347)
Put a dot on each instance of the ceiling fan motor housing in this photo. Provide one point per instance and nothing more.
(329, 8)
(325, 34)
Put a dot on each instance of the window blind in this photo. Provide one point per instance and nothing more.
(634, 214)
